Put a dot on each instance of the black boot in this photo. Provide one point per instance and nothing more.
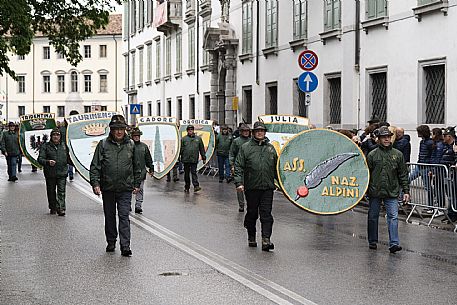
(267, 245)
(110, 247)
(252, 242)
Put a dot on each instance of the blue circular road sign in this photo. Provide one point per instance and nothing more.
(308, 82)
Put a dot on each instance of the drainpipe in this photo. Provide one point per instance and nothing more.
(257, 45)
(33, 77)
(357, 56)
(197, 11)
(128, 60)
(7, 76)
(115, 73)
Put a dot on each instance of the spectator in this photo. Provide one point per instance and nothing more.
(403, 144)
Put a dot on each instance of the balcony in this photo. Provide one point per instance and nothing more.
(190, 12)
(205, 8)
(433, 6)
(173, 18)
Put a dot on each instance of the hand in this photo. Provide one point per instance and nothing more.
(240, 189)
(136, 190)
(96, 190)
(6, 154)
(52, 162)
(406, 198)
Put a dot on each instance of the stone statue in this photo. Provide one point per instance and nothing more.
(225, 10)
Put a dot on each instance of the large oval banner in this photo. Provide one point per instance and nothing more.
(84, 131)
(34, 131)
(203, 129)
(162, 137)
(323, 172)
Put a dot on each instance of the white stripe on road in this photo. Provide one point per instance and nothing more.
(220, 263)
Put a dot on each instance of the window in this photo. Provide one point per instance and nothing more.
(271, 96)
(140, 14)
(149, 11)
(103, 51)
(247, 27)
(149, 108)
(21, 57)
(46, 53)
(60, 83)
(334, 99)
(126, 70)
(168, 56)
(21, 110)
(132, 65)
(206, 25)
(247, 104)
(378, 95)
(87, 109)
(376, 8)
(74, 81)
(158, 59)
(87, 51)
(178, 52)
(140, 66)
(46, 83)
(59, 55)
(158, 112)
(126, 20)
(87, 83)
(179, 108)
(300, 15)
(103, 83)
(434, 93)
(207, 99)
(191, 107)
(132, 17)
(149, 62)
(332, 18)
(271, 30)
(21, 83)
(60, 111)
(169, 107)
(46, 109)
(191, 45)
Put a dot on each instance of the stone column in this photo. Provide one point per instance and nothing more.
(230, 82)
(213, 68)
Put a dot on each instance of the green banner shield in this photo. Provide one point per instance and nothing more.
(204, 129)
(84, 131)
(323, 172)
(162, 137)
(35, 130)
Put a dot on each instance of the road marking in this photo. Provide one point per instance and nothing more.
(220, 263)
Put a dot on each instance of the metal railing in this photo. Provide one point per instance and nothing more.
(210, 168)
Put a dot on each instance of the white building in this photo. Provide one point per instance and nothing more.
(393, 59)
(48, 83)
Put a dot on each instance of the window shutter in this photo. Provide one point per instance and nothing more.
(328, 12)
(381, 8)
(371, 9)
(296, 19)
(274, 22)
(303, 19)
(423, 2)
(336, 14)
(268, 24)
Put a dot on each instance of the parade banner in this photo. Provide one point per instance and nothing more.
(323, 172)
(34, 131)
(204, 129)
(281, 128)
(161, 135)
(84, 131)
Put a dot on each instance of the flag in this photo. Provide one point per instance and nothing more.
(161, 16)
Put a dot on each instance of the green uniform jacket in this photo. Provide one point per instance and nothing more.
(144, 158)
(58, 153)
(63, 133)
(10, 143)
(235, 148)
(223, 143)
(190, 148)
(255, 165)
(388, 173)
(115, 167)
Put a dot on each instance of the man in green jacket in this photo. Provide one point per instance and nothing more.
(10, 148)
(388, 175)
(191, 147)
(115, 174)
(223, 142)
(144, 160)
(255, 172)
(244, 132)
(54, 158)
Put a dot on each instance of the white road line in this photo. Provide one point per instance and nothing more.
(220, 263)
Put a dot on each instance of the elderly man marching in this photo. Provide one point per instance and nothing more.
(54, 158)
(144, 160)
(191, 147)
(255, 172)
(388, 175)
(115, 174)
(10, 148)
(244, 137)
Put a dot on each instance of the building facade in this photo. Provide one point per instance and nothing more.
(48, 83)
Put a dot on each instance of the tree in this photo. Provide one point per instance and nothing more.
(64, 22)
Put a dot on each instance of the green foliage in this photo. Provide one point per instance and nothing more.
(64, 22)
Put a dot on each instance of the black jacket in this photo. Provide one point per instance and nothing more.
(404, 145)
(425, 151)
(449, 155)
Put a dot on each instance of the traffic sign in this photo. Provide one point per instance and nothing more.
(135, 109)
(308, 82)
(308, 60)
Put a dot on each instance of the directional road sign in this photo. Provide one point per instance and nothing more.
(135, 109)
(308, 82)
(308, 60)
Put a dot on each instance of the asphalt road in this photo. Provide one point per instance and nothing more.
(198, 243)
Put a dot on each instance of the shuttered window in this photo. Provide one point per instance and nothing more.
(247, 27)
(332, 17)
(271, 30)
(376, 8)
(300, 21)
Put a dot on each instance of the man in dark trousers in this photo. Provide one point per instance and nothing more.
(449, 159)
(255, 172)
(115, 174)
(388, 176)
(223, 142)
(54, 158)
(191, 147)
(10, 148)
(244, 136)
(144, 160)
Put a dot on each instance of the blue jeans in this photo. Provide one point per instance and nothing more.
(391, 205)
(223, 162)
(423, 173)
(11, 161)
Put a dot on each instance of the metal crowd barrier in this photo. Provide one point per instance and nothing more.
(432, 190)
(210, 168)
